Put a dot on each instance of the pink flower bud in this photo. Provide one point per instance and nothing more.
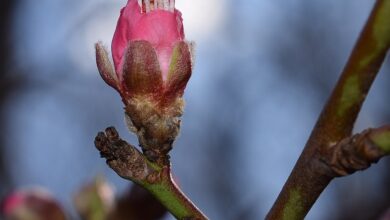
(152, 65)
(156, 22)
(12, 202)
(32, 204)
(150, 55)
(95, 199)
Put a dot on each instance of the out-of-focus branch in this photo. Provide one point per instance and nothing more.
(7, 85)
(131, 164)
(312, 172)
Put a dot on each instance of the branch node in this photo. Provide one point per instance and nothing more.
(353, 153)
(154, 177)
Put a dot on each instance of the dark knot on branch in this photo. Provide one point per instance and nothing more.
(121, 156)
(357, 152)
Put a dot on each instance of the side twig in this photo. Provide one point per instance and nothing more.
(129, 163)
(359, 151)
(313, 170)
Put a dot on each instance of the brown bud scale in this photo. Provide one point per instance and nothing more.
(156, 126)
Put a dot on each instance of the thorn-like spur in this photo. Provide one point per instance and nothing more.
(112, 147)
(121, 156)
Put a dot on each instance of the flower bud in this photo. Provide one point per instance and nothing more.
(95, 200)
(152, 65)
(32, 204)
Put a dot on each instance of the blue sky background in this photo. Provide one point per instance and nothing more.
(263, 71)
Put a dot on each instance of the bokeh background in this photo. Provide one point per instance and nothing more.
(263, 72)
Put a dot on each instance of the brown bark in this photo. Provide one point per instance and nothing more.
(312, 173)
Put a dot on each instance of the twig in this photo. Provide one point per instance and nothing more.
(359, 151)
(131, 164)
(312, 172)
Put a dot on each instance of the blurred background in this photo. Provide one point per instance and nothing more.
(262, 74)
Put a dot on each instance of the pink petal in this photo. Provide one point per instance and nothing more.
(13, 201)
(160, 28)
